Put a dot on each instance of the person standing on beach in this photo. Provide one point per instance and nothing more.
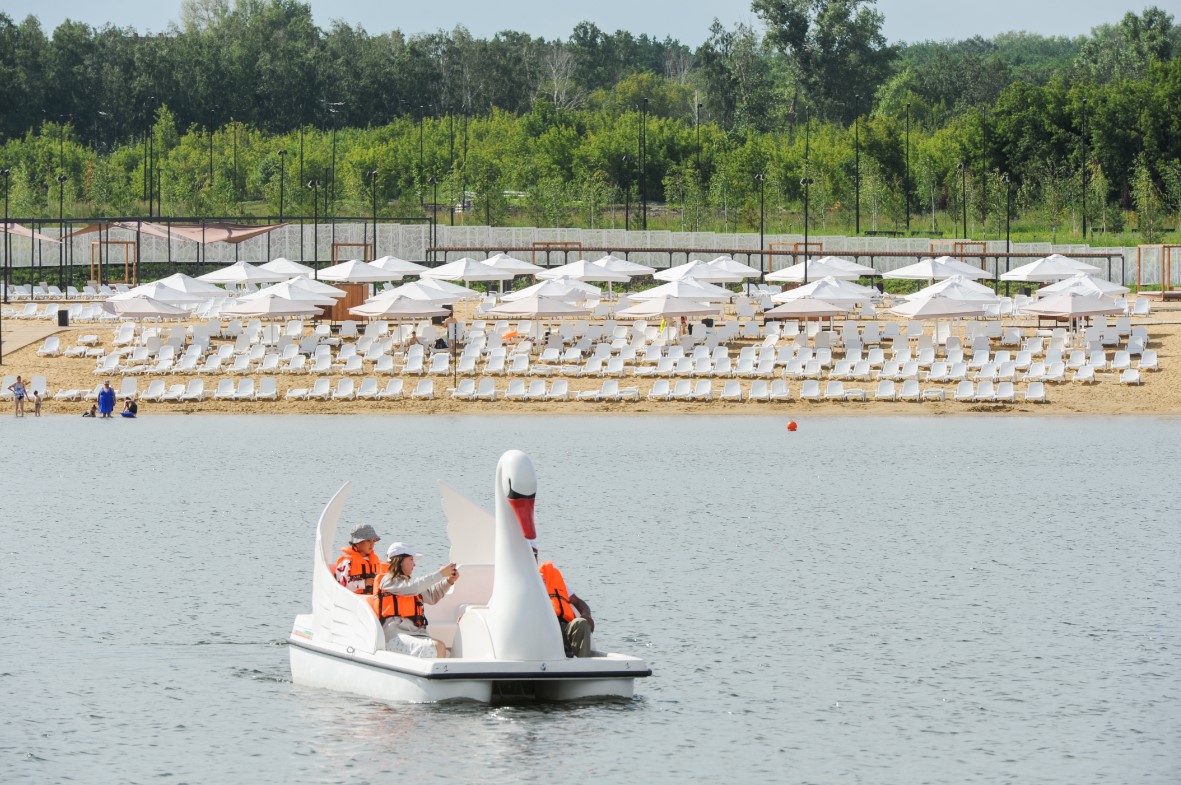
(36, 403)
(106, 400)
(19, 393)
(358, 565)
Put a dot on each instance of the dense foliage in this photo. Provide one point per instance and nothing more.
(246, 100)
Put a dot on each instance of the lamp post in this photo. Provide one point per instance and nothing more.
(857, 166)
(697, 128)
(906, 179)
(421, 170)
(330, 198)
(644, 164)
(984, 172)
(315, 186)
(807, 183)
(761, 178)
(963, 170)
(434, 211)
(148, 145)
(61, 221)
(1083, 173)
(212, 110)
(282, 174)
(372, 175)
(1008, 215)
(6, 173)
(627, 194)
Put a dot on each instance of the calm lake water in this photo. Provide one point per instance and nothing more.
(867, 600)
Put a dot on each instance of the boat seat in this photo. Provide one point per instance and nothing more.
(473, 589)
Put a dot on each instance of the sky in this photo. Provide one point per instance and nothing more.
(906, 20)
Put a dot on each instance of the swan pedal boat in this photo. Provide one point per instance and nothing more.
(497, 620)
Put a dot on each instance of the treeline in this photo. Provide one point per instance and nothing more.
(247, 105)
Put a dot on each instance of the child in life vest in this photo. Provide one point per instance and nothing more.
(399, 603)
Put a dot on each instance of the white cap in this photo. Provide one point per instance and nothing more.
(400, 549)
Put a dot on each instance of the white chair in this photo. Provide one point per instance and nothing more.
(245, 391)
(682, 391)
(268, 389)
(885, 391)
(486, 391)
(224, 391)
(321, 390)
(515, 391)
(392, 390)
(731, 391)
(51, 348)
(1129, 376)
(466, 391)
(810, 390)
(559, 391)
(660, 390)
(346, 390)
(760, 391)
(965, 391)
(154, 392)
(195, 391)
(704, 391)
(175, 393)
(536, 390)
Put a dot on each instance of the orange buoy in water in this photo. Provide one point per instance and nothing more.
(791, 425)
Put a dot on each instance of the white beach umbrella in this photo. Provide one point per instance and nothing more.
(937, 307)
(688, 289)
(957, 287)
(272, 307)
(467, 270)
(1054, 267)
(399, 308)
(816, 269)
(186, 283)
(805, 308)
(285, 266)
(288, 291)
(1073, 306)
(1083, 283)
(162, 293)
(584, 271)
(243, 272)
(143, 307)
(503, 261)
(427, 289)
(565, 288)
(940, 267)
(829, 289)
(670, 307)
(312, 285)
(392, 264)
(355, 271)
(534, 307)
(615, 264)
(729, 265)
(698, 270)
(845, 264)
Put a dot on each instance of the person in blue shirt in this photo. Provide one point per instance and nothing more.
(106, 400)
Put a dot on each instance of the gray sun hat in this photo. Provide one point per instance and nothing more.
(362, 533)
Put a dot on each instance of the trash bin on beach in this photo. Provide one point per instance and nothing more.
(63, 317)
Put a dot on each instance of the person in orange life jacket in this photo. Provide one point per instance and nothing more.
(399, 603)
(357, 567)
(573, 614)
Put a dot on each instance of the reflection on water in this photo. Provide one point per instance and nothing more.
(868, 600)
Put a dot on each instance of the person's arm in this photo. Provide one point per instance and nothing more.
(412, 586)
(583, 610)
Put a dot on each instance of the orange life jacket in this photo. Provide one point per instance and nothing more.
(361, 567)
(555, 587)
(387, 605)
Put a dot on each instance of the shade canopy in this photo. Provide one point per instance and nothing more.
(286, 267)
(466, 270)
(1054, 267)
(399, 308)
(805, 308)
(816, 269)
(535, 307)
(242, 272)
(937, 268)
(957, 287)
(15, 229)
(503, 261)
(402, 268)
(143, 307)
(162, 293)
(669, 306)
(1082, 283)
(355, 271)
(698, 270)
(584, 271)
(729, 265)
(312, 285)
(288, 290)
(937, 307)
(1073, 305)
(830, 289)
(564, 288)
(271, 306)
(615, 264)
(687, 289)
(427, 289)
(186, 283)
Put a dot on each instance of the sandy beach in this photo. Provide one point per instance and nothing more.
(1160, 392)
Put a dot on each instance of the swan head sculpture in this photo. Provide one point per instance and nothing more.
(521, 619)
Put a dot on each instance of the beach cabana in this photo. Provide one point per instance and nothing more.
(399, 308)
(805, 308)
(162, 293)
(669, 306)
(144, 307)
(1073, 307)
(186, 283)
(957, 287)
(355, 271)
(293, 287)
(534, 307)
(729, 265)
(393, 264)
(584, 271)
(816, 269)
(427, 289)
(503, 261)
